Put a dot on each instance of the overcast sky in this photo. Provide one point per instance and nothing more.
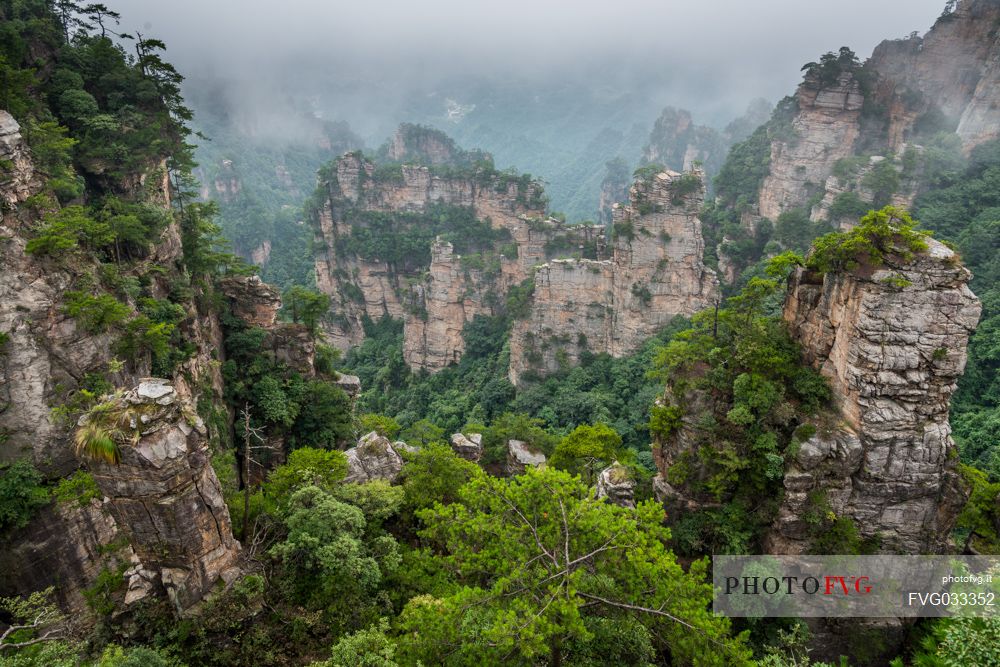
(704, 51)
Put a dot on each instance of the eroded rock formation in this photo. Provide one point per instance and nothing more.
(66, 546)
(468, 447)
(438, 298)
(655, 273)
(46, 351)
(953, 68)
(617, 485)
(892, 341)
(374, 457)
(521, 456)
(824, 130)
(166, 498)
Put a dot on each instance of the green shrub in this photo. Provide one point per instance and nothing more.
(889, 231)
(79, 487)
(67, 229)
(384, 426)
(21, 494)
(848, 205)
(96, 313)
(687, 184)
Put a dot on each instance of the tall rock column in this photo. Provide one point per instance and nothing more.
(892, 341)
(656, 272)
(166, 498)
(823, 131)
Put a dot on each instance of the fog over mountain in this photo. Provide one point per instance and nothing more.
(701, 55)
(553, 88)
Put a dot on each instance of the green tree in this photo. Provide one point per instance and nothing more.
(423, 432)
(305, 305)
(539, 560)
(371, 647)
(324, 417)
(330, 560)
(434, 474)
(21, 494)
(306, 467)
(381, 424)
(587, 450)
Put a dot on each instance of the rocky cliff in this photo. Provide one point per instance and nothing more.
(677, 143)
(892, 341)
(165, 496)
(824, 130)
(379, 253)
(158, 517)
(655, 273)
(902, 98)
(952, 69)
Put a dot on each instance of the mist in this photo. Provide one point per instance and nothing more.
(552, 88)
(711, 56)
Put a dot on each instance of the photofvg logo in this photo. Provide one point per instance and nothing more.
(856, 586)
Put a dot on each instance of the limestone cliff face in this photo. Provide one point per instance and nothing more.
(166, 498)
(678, 143)
(907, 91)
(47, 352)
(66, 546)
(858, 186)
(892, 342)
(823, 131)
(451, 296)
(953, 68)
(893, 356)
(416, 144)
(655, 273)
(435, 301)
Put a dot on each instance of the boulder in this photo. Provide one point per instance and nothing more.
(374, 457)
(468, 447)
(351, 384)
(617, 485)
(521, 456)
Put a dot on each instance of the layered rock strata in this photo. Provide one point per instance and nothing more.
(655, 273)
(436, 301)
(892, 341)
(824, 130)
(953, 68)
(166, 498)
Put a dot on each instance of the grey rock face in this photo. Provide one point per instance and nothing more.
(893, 356)
(350, 384)
(468, 447)
(252, 300)
(374, 457)
(521, 456)
(47, 350)
(166, 498)
(616, 484)
(17, 179)
(67, 545)
(655, 273)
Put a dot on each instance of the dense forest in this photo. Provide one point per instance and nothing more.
(447, 561)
